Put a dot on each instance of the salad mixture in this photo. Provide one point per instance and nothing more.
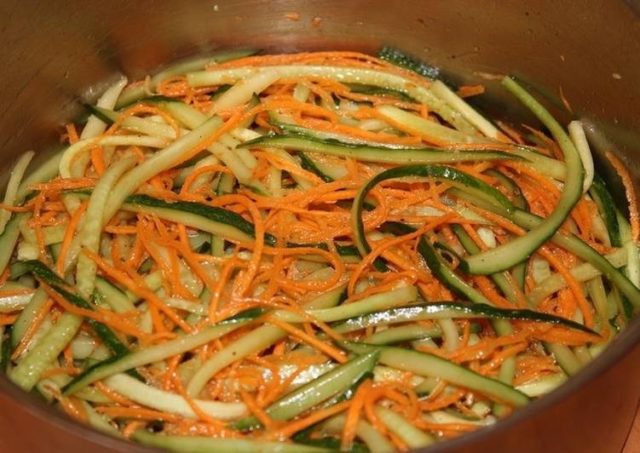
(308, 252)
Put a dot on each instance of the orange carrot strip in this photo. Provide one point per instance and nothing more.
(137, 413)
(257, 411)
(303, 423)
(332, 352)
(68, 236)
(627, 181)
(32, 329)
(353, 415)
(143, 292)
(109, 318)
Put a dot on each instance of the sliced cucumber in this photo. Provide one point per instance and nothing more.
(326, 386)
(254, 341)
(161, 400)
(397, 297)
(399, 58)
(368, 153)
(107, 336)
(150, 354)
(211, 219)
(440, 173)
(430, 365)
(135, 93)
(453, 310)
(519, 249)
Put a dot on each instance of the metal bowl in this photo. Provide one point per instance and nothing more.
(57, 53)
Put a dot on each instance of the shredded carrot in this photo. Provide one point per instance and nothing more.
(68, 236)
(335, 354)
(300, 424)
(257, 411)
(625, 176)
(137, 413)
(72, 133)
(97, 159)
(564, 99)
(466, 91)
(7, 319)
(353, 415)
(32, 329)
(122, 278)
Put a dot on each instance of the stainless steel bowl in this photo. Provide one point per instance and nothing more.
(57, 53)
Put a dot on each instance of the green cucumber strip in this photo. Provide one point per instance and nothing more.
(134, 124)
(309, 395)
(400, 334)
(565, 358)
(99, 421)
(454, 310)
(425, 364)
(607, 208)
(368, 153)
(5, 348)
(155, 398)
(45, 172)
(507, 255)
(403, 428)
(254, 341)
(200, 444)
(447, 276)
(245, 91)
(27, 372)
(27, 316)
(135, 93)
(508, 367)
(465, 110)
(581, 249)
(399, 58)
(598, 295)
(396, 297)
(90, 232)
(345, 75)
(211, 219)
(375, 441)
(115, 365)
(107, 336)
(8, 240)
(185, 114)
(501, 279)
(544, 164)
(543, 385)
(294, 129)
(379, 91)
(427, 128)
(632, 269)
(516, 195)
(10, 304)
(440, 173)
(159, 162)
(113, 296)
(582, 272)
(570, 243)
(308, 164)
(105, 115)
